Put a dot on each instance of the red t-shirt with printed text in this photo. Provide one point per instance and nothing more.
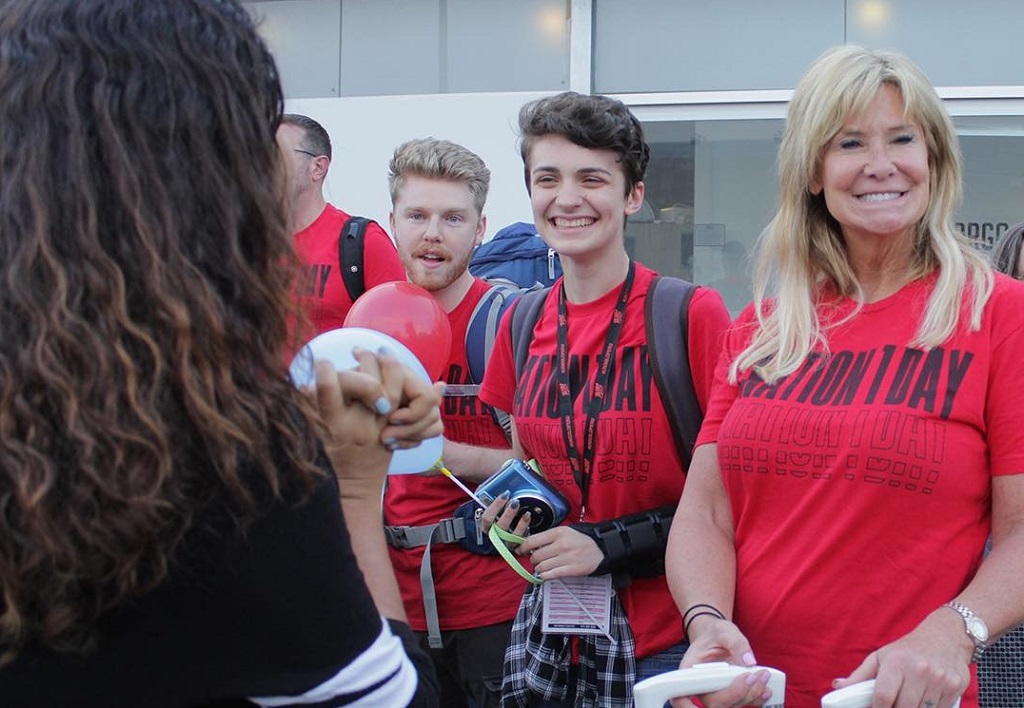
(472, 590)
(860, 484)
(636, 465)
(321, 290)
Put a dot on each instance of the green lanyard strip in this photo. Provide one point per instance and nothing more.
(498, 536)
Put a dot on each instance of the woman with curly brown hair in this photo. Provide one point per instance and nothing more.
(170, 532)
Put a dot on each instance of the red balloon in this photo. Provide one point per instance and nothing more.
(411, 315)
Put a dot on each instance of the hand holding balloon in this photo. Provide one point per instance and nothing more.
(353, 404)
(356, 404)
(416, 417)
(411, 315)
(413, 427)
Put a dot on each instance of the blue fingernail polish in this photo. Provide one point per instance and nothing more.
(382, 405)
(385, 350)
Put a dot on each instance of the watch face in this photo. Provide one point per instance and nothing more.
(978, 629)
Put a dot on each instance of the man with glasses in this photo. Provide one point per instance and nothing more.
(317, 226)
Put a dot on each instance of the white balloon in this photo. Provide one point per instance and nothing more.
(336, 347)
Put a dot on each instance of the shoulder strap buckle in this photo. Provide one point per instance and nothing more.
(350, 254)
(450, 530)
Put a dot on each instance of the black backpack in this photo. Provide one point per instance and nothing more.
(666, 320)
(351, 244)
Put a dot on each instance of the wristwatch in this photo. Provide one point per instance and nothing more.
(976, 628)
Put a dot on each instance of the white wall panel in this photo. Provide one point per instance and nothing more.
(365, 132)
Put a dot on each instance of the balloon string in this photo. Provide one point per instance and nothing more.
(439, 465)
(496, 534)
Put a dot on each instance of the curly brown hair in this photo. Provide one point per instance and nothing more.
(145, 272)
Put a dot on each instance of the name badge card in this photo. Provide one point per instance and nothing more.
(577, 605)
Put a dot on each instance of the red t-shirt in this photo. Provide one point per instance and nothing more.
(636, 465)
(472, 590)
(860, 489)
(320, 288)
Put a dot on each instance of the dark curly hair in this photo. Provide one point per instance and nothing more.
(146, 268)
(596, 122)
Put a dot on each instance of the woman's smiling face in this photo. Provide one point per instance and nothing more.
(875, 173)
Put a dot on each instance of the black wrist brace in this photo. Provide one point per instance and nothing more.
(633, 544)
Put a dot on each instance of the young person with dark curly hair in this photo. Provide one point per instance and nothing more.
(171, 532)
(586, 407)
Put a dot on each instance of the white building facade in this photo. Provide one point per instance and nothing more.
(710, 79)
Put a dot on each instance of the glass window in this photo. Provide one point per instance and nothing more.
(993, 147)
(453, 46)
(497, 45)
(711, 189)
(391, 47)
(684, 45)
(303, 35)
(646, 46)
(956, 43)
(398, 47)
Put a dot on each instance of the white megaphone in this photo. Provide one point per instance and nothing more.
(856, 696)
(703, 678)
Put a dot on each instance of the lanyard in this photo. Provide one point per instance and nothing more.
(581, 465)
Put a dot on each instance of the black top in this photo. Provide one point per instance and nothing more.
(278, 611)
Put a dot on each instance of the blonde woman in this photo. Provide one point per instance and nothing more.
(863, 435)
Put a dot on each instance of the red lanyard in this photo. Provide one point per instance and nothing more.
(581, 465)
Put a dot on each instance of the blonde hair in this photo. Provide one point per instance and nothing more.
(439, 159)
(803, 248)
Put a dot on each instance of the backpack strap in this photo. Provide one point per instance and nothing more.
(351, 244)
(480, 336)
(483, 327)
(524, 320)
(667, 323)
(445, 531)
